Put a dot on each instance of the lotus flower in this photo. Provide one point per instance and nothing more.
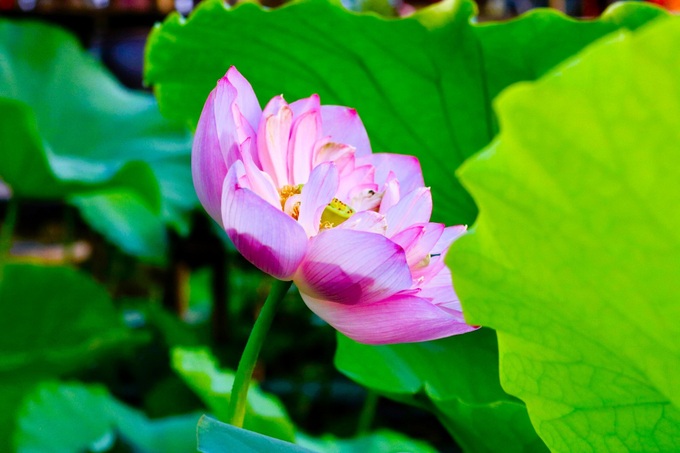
(298, 191)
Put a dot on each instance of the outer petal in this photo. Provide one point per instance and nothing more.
(352, 267)
(207, 164)
(316, 194)
(264, 235)
(402, 318)
(406, 168)
(344, 126)
(415, 207)
(246, 100)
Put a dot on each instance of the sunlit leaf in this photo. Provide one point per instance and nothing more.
(456, 378)
(574, 258)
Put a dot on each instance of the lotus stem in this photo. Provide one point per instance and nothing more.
(239, 391)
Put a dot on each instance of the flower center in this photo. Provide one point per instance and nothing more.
(333, 215)
(288, 191)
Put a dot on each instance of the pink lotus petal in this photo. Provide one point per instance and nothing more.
(316, 194)
(366, 221)
(264, 235)
(246, 100)
(439, 289)
(405, 168)
(305, 133)
(349, 182)
(352, 267)
(401, 318)
(391, 194)
(304, 105)
(260, 182)
(449, 235)
(207, 164)
(272, 140)
(343, 125)
(327, 151)
(415, 207)
(418, 241)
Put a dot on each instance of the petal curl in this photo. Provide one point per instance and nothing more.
(401, 318)
(263, 234)
(352, 267)
(343, 125)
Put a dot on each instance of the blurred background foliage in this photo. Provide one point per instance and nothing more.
(123, 308)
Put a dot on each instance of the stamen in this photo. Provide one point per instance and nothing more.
(288, 191)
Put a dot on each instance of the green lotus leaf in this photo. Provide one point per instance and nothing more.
(69, 127)
(456, 378)
(58, 417)
(423, 85)
(574, 257)
(54, 321)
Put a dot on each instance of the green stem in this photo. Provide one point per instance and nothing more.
(237, 403)
(7, 231)
(367, 413)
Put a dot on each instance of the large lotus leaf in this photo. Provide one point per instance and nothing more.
(69, 126)
(264, 413)
(53, 321)
(58, 417)
(574, 257)
(456, 378)
(422, 85)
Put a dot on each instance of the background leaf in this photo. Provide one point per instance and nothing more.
(423, 85)
(470, 403)
(264, 412)
(60, 417)
(36, 306)
(93, 134)
(574, 258)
